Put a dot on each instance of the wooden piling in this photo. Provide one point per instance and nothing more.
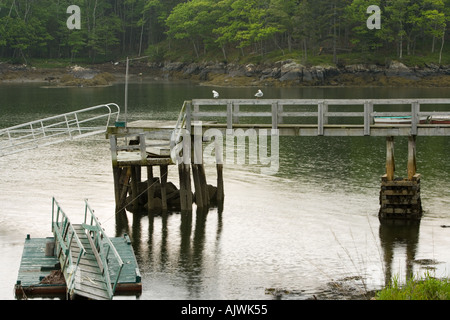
(220, 189)
(163, 178)
(150, 190)
(134, 188)
(412, 165)
(204, 185)
(390, 162)
(199, 200)
(185, 187)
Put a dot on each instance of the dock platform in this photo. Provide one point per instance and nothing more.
(50, 268)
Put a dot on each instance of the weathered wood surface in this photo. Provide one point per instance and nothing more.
(36, 265)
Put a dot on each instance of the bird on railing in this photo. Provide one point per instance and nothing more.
(259, 94)
(215, 94)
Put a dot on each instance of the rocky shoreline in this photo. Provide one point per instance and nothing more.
(291, 73)
(288, 73)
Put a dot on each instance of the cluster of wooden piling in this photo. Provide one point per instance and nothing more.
(156, 194)
(400, 198)
(138, 153)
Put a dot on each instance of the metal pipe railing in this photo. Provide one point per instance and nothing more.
(61, 229)
(99, 238)
(57, 129)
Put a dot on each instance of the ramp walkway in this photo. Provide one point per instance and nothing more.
(57, 129)
(84, 251)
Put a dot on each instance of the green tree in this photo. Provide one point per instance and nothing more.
(356, 16)
(192, 21)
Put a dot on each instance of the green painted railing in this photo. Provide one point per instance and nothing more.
(102, 247)
(65, 234)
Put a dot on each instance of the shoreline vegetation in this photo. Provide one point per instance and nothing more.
(425, 288)
(229, 42)
(283, 73)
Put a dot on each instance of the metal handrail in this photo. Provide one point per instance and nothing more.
(59, 229)
(56, 129)
(99, 238)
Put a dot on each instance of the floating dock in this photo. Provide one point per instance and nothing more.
(80, 261)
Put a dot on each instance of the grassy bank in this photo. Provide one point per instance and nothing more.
(426, 288)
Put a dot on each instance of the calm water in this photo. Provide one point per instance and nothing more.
(312, 229)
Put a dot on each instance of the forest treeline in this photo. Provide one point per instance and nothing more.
(225, 29)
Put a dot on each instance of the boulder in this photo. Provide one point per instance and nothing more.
(291, 71)
(173, 66)
(398, 69)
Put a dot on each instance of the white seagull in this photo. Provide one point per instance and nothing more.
(259, 94)
(216, 94)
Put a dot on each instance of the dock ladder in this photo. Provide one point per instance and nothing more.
(87, 256)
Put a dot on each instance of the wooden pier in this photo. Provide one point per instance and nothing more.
(79, 261)
(149, 144)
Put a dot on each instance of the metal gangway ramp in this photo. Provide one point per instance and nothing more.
(65, 127)
(87, 256)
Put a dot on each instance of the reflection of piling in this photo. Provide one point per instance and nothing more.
(400, 198)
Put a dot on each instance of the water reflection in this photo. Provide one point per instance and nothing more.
(156, 251)
(396, 235)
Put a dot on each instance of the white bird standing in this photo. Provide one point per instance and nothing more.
(259, 94)
(216, 94)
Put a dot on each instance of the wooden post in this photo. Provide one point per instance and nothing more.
(275, 115)
(320, 118)
(150, 190)
(164, 172)
(117, 172)
(415, 109)
(236, 113)
(220, 190)
(204, 185)
(134, 188)
(185, 187)
(412, 165)
(280, 113)
(390, 162)
(368, 118)
(229, 116)
(116, 175)
(198, 186)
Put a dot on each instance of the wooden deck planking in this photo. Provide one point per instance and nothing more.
(34, 264)
(90, 283)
